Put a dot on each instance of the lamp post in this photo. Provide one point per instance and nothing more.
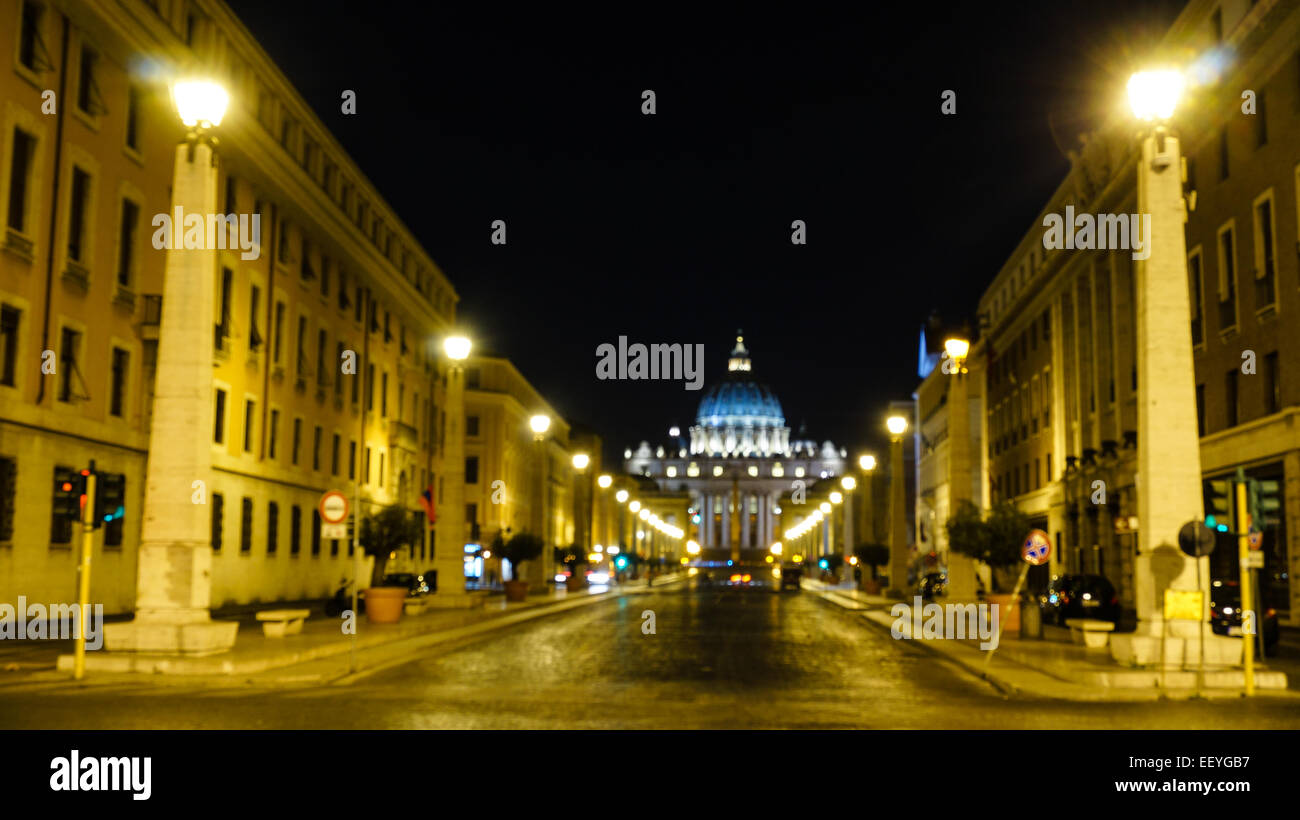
(449, 549)
(898, 553)
(849, 483)
(174, 568)
(960, 568)
(581, 503)
(867, 464)
(542, 569)
(1168, 444)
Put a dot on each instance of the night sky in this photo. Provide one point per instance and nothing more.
(675, 228)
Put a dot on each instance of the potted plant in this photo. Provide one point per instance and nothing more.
(393, 528)
(520, 548)
(995, 540)
(572, 559)
(874, 556)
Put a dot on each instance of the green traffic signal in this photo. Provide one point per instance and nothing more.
(1221, 505)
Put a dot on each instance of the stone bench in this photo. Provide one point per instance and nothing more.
(1090, 632)
(414, 605)
(276, 623)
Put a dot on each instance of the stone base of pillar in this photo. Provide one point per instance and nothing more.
(961, 577)
(158, 636)
(1143, 648)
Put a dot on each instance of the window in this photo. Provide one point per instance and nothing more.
(20, 171)
(1049, 468)
(120, 372)
(254, 307)
(69, 353)
(297, 439)
(219, 418)
(352, 460)
(471, 425)
(250, 414)
(295, 529)
(1197, 297)
(246, 525)
(472, 378)
(322, 372)
(324, 278)
(88, 98)
(366, 467)
(218, 516)
(31, 50)
(1230, 397)
(1227, 280)
(126, 241)
(8, 488)
(223, 310)
(471, 470)
(302, 346)
(381, 468)
(383, 396)
(79, 209)
(274, 432)
(370, 388)
(272, 527)
(1200, 410)
(334, 455)
(338, 362)
(315, 533)
(133, 99)
(277, 338)
(315, 448)
(9, 318)
(1272, 385)
(1265, 253)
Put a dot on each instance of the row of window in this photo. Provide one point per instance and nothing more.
(1017, 480)
(71, 383)
(1017, 417)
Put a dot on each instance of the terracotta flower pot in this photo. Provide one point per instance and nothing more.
(516, 591)
(575, 583)
(384, 604)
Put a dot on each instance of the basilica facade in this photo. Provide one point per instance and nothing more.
(736, 462)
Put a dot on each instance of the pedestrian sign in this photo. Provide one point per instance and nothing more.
(1037, 548)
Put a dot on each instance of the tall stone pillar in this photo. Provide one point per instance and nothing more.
(848, 539)
(1169, 465)
(726, 522)
(898, 552)
(744, 521)
(960, 568)
(449, 549)
(174, 571)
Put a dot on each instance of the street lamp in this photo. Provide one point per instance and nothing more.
(867, 462)
(961, 571)
(540, 423)
(457, 348)
(449, 536)
(634, 507)
(836, 496)
(897, 425)
(621, 496)
(777, 548)
(604, 481)
(580, 461)
(1153, 95)
(849, 483)
(898, 554)
(542, 570)
(201, 104)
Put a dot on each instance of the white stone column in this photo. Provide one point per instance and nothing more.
(449, 546)
(744, 520)
(174, 570)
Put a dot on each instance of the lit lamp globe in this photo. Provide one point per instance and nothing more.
(201, 104)
(849, 483)
(836, 497)
(456, 347)
(777, 548)
(621, 496)
(580, 461)
(604, 481)
(824, 507)
(867, 462)
(897, 425)
(956, 348)
(693, 548)
(634, 506)
(644, 514)
(540, 423)
(1153, 95)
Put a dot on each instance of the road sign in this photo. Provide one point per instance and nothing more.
(1037, 548)
(1196, 539)
(1255, 539)
(333, 530)
(1183, 604)
(333, 509)
(1253, 560)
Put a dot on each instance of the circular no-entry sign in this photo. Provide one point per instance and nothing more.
(1037, 548)
(334, 507)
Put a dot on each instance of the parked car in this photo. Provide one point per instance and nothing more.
(1225, 615)
(1080, 596)
(932, 585)
(790, 578)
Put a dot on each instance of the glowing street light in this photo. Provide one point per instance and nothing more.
(621, 496)
(580, 461)
(897, 425)
(457, 348)
(849, 483)
(604, 481)
(540, 423)
(201, 104)
(824, 508)
(776, 548)
(1153, 95)
(635, 506)
(867, 462)
(836, 497)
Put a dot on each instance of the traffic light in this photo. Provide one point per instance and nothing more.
(1265, 506)
(1221, 505)
(110, 497)
(621, 562)
(69, 486)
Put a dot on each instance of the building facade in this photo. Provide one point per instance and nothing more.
(325, 375)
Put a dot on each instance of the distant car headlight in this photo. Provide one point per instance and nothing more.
(560, 577)
(598, 577)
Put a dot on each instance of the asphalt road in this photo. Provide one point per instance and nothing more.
(717, 659)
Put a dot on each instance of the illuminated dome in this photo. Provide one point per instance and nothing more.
(738, 415)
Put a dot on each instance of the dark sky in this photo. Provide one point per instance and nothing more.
(675, 228)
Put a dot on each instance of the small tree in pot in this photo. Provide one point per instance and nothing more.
(381, 535)
(572, 559)
(994, 539)
(519, 549)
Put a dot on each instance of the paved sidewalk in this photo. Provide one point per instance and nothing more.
(321, 653)
(1056, 667)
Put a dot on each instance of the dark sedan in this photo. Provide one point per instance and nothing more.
(1225, 615)
(1080, 596)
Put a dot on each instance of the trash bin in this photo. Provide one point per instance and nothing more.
(1031, 620)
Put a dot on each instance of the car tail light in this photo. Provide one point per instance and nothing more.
(1270, 612)
(745, 578)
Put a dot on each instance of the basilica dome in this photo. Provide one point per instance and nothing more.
(738, 415)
